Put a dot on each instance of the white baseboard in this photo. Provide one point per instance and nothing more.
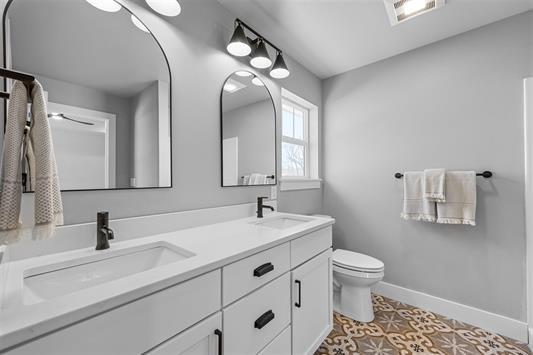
(496, 323)
(531, 338)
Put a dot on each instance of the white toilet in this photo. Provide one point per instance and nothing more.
(354, 275)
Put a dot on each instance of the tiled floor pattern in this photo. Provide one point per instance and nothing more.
(402, 329)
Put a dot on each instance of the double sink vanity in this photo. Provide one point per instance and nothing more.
(247, 286)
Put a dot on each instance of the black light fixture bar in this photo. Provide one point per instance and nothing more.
(239, 21)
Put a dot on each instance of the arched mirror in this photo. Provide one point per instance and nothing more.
(248, 123)
(107, 83)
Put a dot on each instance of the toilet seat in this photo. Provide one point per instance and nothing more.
(352, 261)
(358, 273)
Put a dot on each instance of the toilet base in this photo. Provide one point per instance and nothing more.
(355, 303)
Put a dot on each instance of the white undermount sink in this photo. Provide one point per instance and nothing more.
(282, 222)
(50, 281)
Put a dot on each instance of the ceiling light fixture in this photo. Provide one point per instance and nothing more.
(412, 6)
(232, 86)
(257, 82)
(169, 8)
(61, 116)
(240, 45)
(402, 10)
(105, 5)
(139, 24)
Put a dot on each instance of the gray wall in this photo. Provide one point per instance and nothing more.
(455, 104)
(80, 96)
(194, 43)
(145, 142)
(254, 125)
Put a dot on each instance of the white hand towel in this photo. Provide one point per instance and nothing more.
(434, 185)
(460, 205)
(261, 179)
(255, 178)
(48, 204)
(246, 180)
(415, 206)
(11, 181)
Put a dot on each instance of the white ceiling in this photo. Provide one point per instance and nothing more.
(248, 95)
(72, 41)
(333, 36)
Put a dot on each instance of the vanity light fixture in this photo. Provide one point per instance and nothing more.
(279, 69)
(240, 45)
(139, 24)
(105, 5)
(243, 73)
(260, 58)
(402, 10)
(257, 82)
(169, 8)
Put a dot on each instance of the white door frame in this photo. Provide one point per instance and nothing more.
(528, 141)
(109, 120)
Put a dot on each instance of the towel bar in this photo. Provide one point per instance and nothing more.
(486, 174)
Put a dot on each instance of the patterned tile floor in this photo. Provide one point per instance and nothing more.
(402, 329)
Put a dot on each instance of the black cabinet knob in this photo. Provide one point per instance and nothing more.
(264, 319)
(263, 269)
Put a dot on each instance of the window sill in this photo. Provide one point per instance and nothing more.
(288, 184)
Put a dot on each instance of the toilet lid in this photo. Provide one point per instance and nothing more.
(356, 261)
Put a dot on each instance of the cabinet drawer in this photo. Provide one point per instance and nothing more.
(306, 247)
(248, 323)
(203, 338)
(248, 274)
(137, 326)
(279, 346)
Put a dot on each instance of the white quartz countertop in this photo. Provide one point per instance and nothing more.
(214, 246)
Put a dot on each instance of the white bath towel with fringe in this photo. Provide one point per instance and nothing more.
(415, 206)
(44, 180)
(434, 185)
(461, 199)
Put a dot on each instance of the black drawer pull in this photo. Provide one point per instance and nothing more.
(218, 333)
(264, 319)
(299, 303)
(263, 269)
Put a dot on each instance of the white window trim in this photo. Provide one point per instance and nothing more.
(312, 181)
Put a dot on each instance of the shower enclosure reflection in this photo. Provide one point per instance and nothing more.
(110, 117)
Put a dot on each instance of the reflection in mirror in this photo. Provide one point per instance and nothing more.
(107, 83)
(248, 126)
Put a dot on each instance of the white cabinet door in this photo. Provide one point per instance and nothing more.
(312, 311)
(205, 338)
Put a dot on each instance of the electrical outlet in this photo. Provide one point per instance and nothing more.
(273, 192)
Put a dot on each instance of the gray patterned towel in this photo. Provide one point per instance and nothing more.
(44, 179)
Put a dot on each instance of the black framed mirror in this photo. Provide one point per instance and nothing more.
(248, 132)
(108, 86)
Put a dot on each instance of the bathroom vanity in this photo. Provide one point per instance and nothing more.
(248, 286)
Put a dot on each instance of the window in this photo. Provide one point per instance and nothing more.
(299, 143)
(295, 140)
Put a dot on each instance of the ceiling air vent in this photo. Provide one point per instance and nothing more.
(402, 10)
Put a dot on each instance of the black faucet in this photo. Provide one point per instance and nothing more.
(260, 207)
(103, 232)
